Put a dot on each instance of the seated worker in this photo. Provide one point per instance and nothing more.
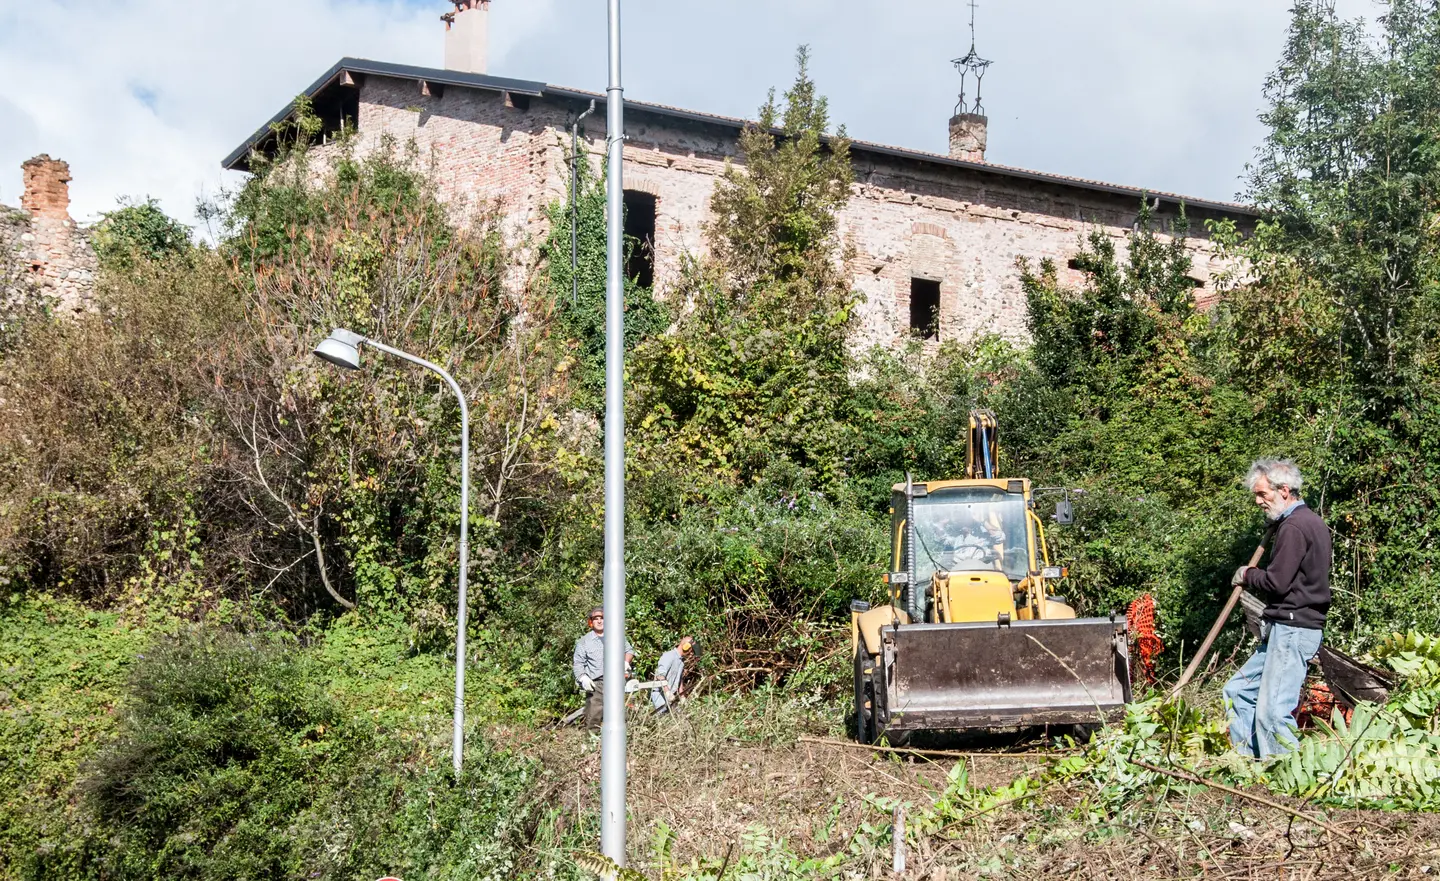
(671, 670)
(970, 544)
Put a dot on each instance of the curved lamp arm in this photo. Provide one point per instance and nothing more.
(342, 349)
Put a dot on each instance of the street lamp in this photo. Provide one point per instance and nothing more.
(342, 348)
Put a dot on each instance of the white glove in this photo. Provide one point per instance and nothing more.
(1239, 575)
(587, 684)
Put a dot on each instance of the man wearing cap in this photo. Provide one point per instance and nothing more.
(588, 667)
(671, 670)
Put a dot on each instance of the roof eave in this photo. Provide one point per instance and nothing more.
(239, 158)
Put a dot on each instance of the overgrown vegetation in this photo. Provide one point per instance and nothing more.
(236, 755)
(578, 293)
(249, 555)
(138, 232)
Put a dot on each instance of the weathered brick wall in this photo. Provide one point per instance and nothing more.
(43, 249)
(966, 229)
(906, 218)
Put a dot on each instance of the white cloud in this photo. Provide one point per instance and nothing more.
(145, 97)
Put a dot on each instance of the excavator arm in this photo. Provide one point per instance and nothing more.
(982, 446)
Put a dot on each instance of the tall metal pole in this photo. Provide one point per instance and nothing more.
(612, 731)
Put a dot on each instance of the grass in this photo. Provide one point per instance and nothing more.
(756, 777)
(62, 672)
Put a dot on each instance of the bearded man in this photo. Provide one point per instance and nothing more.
(1261, 698)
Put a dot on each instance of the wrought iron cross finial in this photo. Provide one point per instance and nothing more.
(971, 65)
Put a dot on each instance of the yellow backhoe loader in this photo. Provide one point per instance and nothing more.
(973, 636)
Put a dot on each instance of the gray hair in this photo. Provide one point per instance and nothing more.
(1277, 472)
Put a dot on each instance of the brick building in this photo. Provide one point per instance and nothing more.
(42, 250)
(935, 236)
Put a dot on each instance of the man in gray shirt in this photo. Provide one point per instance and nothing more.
(588, 666)
(671, 669)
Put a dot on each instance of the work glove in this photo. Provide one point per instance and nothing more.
(1239, 577)
(587, 684)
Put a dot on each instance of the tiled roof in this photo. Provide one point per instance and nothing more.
(238, 158)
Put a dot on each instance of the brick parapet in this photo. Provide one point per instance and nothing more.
(44, 250)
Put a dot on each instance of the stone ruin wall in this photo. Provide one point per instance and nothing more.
(42, 250)
(906, 218)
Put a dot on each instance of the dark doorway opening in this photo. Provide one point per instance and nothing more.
(925, 308)
(640, 238)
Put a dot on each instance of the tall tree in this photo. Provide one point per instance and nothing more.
(748, 380)
(1349, 178)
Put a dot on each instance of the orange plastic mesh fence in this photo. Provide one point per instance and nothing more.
(1317, 703)
(1146, 643)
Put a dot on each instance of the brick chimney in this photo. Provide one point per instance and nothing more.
(967, 137)
(467, 36)
(47, 187)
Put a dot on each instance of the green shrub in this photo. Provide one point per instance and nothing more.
(105, 440)
(63, 668)
(231, 759)
(139, 231)
(767, 577)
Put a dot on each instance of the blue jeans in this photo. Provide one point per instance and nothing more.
(1261, 697)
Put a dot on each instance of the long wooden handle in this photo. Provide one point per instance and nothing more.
(1217, 626)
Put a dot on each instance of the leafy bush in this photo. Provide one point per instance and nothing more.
(221, 744)
(766, 577)
(231, 759)
(137, 232)
(362, 467)
(105, 439)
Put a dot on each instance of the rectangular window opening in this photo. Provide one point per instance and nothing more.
(925, 308)
(338, 114)
(640, 238)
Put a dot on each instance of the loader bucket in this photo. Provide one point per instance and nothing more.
(981, 675)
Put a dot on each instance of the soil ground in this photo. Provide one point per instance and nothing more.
(716, 774)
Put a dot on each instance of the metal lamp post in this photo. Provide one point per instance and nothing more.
(342, 348)
(612, 730)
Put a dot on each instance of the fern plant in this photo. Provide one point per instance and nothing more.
(1377, 759)
(1416, 657)
(605, 869)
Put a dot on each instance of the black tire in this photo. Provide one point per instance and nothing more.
(864, 718)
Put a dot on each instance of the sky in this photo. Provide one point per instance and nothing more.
(144, 97)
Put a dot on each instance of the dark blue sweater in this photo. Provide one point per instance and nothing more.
(1296, 581)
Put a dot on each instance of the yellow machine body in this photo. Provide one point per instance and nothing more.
(972, 636)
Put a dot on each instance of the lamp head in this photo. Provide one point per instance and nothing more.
(341, 348)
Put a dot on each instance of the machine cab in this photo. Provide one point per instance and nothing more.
(966, 526)
(979, 553)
